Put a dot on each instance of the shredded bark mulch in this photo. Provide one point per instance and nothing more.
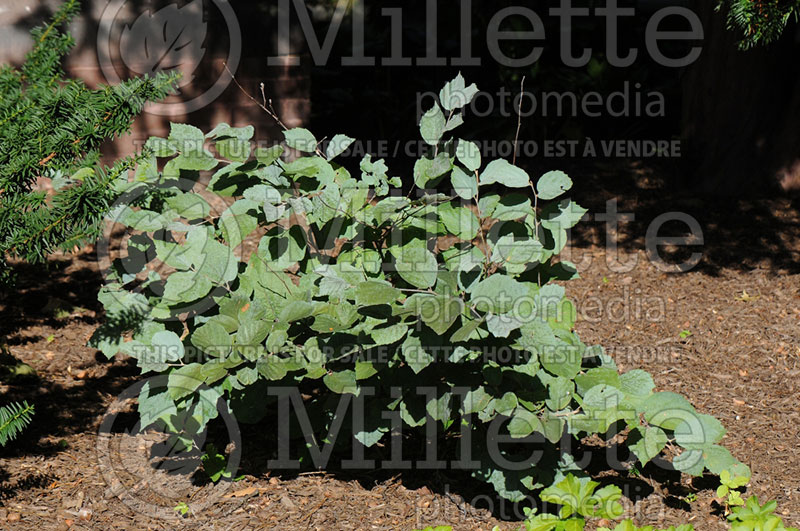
(726, 334)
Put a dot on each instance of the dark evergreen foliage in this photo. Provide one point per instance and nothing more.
(52, 127)
(759, 21)
(13, 419)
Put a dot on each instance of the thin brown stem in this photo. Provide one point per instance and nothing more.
(519, 119)
(267, 109)
(485, 248)
(266, 106)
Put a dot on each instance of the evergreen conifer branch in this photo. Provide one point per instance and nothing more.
(13, 419)
(53, 126)
(759, 22)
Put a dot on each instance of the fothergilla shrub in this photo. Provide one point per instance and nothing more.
(436, 309)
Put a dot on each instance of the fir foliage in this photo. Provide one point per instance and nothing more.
(52, 127)
(13, 419)
(760, 22)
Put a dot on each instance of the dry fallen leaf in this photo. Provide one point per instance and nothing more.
(242, 493)
(744, 297)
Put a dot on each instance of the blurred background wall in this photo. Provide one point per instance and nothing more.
(735, 113)
(118, 39)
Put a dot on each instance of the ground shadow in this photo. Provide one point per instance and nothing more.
(758, 232)
(66, 408)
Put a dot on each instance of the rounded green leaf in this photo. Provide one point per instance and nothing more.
(464, 184)
(185, 380)
(699, 432)
(562, 216)
(469, 154)
(605, 404)
(523, 423)
(459, 221)
(296, 311)
(238, 221)
(503, 172)
(561, 391)
(374, 292)
(390, 334)
(338, 145)
(652, 440)
(497, 294)
(557, 358)
(252, 333)
(506, 404)
(168, 345)
(268, 156)
(271, 367)
(552, 184)
(365, 369)
(247, 375)
(466, 331)
(415, 355)
(212, 339)
(301, 140)
(185, 286)
(439, 312)
(224, 130)
(181, 134)
(690, 461)
(189, 206)
(719, 460)
(636, 383)
(160, 146)
(456, 94)
(513, 206)
(597, 376)
(517, 255)
(416, 265)
(475, 400)
(667, 410)
(342, 382)
(431, 125)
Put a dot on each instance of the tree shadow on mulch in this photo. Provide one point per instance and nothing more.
(64, 405)
(261, 445)
(31, 481)
(756, 232)
(41, 290)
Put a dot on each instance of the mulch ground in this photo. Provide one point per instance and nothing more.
(726, 334)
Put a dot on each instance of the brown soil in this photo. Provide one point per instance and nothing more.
(741, 363)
